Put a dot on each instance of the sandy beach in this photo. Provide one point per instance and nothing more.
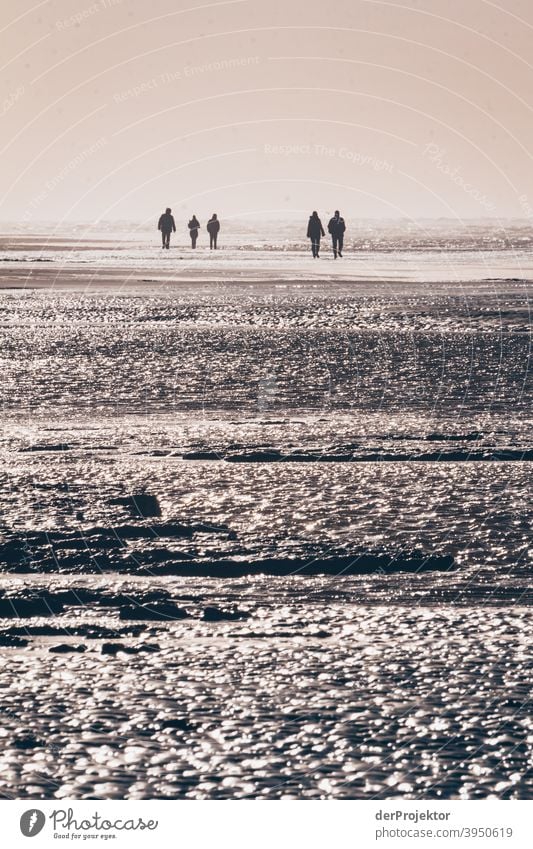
(266, 435)
(320, 470)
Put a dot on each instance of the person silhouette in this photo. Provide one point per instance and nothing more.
(213, 226)
(314, 232)
(337, 227)
(194, 226)
(167, 226)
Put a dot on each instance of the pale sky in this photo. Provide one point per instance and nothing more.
(114, 109)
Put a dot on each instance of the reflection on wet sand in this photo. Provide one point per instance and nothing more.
(157, 440)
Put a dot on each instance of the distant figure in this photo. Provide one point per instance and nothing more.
(314, 232)
(167, 226)
(337, 227)
(194, 226)
(213, 226)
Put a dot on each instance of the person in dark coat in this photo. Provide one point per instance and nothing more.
(194, 226)
(337, 227)
(314, 232)
(167, 226)
(213, 226)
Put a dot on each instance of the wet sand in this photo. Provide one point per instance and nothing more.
(303, 701)
(273, 420)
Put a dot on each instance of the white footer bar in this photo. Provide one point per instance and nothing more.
(263, 825)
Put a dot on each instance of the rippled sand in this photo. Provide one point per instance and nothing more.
(305, 700)
(268, 420)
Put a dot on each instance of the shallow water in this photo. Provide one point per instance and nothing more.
(275, 420)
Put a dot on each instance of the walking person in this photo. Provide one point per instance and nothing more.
(337, 227)
(194, 226)
(213, 226)
(314, 232)
(166, 225)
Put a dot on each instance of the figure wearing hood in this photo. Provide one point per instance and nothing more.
(213, 226)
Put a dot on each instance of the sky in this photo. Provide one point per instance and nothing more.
(115, 109)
